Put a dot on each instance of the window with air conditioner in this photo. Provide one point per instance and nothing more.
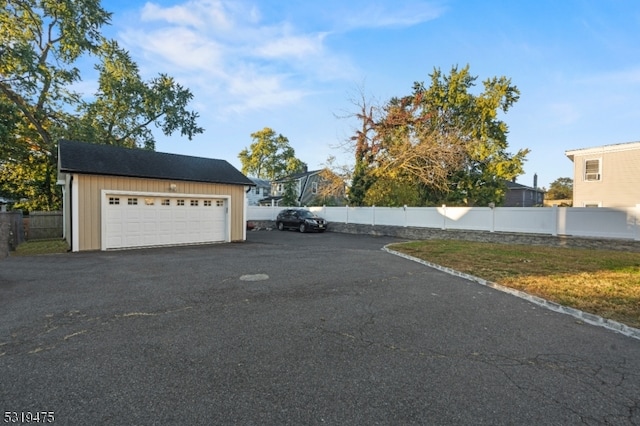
(592, 170)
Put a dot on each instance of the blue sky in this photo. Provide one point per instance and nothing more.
(296, 66)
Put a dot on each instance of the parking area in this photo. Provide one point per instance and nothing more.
(291, 328)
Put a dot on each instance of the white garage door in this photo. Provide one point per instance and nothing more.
(141, 221)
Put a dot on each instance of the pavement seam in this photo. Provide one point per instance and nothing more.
(547, 304)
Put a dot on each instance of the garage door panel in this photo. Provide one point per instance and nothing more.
(138, 221)
(192, 214)
(149, 214)
(165, 215)
(114, 215)
(149, 228)
(207, 227)
(179, 214)
(131, 240)
(150, 240)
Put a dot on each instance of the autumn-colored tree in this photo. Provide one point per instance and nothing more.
(365, 146)
(442, 143)
(331, 185)
(560, 189)
(416, 150)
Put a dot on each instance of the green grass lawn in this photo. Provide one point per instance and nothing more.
(602, 282)
(30, 248)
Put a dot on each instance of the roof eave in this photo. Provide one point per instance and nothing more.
(82, 172)
(602, 149)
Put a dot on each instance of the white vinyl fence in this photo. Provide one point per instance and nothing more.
(577, 221)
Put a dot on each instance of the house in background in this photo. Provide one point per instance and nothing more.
(606, 176)
(314, 187)
(259, 192)
(4, 202)
(117, 198)
(305, 185)
(519, 195)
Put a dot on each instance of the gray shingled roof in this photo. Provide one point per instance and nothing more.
(87, 158)
(297, 176)
(516, 185)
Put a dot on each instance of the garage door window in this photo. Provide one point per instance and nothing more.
(219, 203)
(194, 203)
(114, 200)
(166, 202)
(132, 201)
(149, 201)
(207, 203)
(179, 202)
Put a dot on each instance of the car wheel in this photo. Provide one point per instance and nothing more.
(302, 228)
(280, 226)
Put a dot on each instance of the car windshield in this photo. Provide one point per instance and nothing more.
(305, 214)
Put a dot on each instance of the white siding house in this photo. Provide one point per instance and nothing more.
(259, 192)
(606, 176)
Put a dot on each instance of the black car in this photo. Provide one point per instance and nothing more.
(300, 219)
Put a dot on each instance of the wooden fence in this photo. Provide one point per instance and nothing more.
(43, 225)
(11, 232)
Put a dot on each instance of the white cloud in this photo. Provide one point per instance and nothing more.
(403, 14)
(264, 98)
(197, 13)
(178, 47)
(226, 50)
(297, 46)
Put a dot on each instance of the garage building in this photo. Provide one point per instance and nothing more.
(117, 198)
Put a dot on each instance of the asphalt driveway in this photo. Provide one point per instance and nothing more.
(292, 328)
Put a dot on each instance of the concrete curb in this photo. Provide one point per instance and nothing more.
(583, 316)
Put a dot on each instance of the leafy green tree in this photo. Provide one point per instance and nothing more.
(9, 121)
(270, 156)
(125, 106)
(446, 143)
(560, 189)
(28, 182)
(10, 149)
(290, 195)
(393, 191)
(41, 42)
